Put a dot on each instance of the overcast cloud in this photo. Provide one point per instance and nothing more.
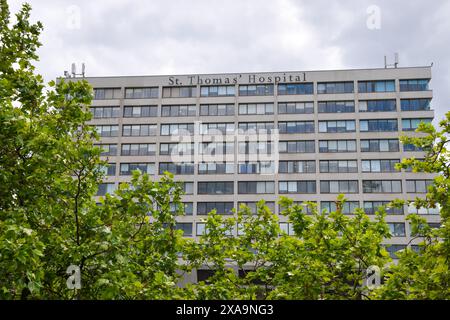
(131, 37)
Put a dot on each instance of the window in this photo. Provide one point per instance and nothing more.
(295, 107)
(108, 149)
(415, 104)
(337, 126)
(136, 130)
(140, 111)
(216, 187)
(179, 111)
(421, 226)
(138, 149)
(397, 229)
(200, 232)
(333, 146)
(297, 166)
(379, 145)
(413, 124)
(307, 146)
(414, 85)
(418, 186)
(409, 168)
(335, 87)
(339, 186)
(394, 248)
(255, 108)
(296, 127)
(254, 148)
(141, 93)
(295, 88)
(370, 207)
(382, 186)
(377, 105)
(126, 169)
(224, 208)
(107, 131)
(217, 128)
(216, 148)
(411, 148)
(186, 208)
(287, 228)
(256, 187)
(336, 106)
(297, 186)
(264, 167)
(109, 169)
(330, 206)
(104, 188)
(177, 129)
(257, 127)
(176, 168)
(378, 125)
(105, 112)
(107, 93)
(217, 91)
(256, 90)
(215, 168)
(179, 92)
(186, 227)
(179, 149)
(412, 209)
(253, 206)
(188, 187)
(306, 208)
(338, 166)
(217, 110)
(376, 86)
(379, 165)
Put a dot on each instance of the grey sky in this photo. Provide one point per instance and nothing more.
(131, 37)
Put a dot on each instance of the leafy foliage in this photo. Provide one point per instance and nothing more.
(128, 246)
(426, 274)
(326, 258)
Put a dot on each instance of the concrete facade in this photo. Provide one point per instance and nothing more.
(275, 80)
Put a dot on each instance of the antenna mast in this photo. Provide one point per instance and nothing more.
(73, 73)
(395, 64)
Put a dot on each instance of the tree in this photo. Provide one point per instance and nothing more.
(425, 274)
(326, 258)
(128, 246)
(49, 173)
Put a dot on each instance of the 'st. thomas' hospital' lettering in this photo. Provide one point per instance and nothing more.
(235, 79)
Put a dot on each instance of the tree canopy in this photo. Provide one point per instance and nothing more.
(127, 246)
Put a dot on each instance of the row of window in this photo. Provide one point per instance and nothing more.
(349, 207)
(255, 148)
(302, 186)
(259, 167)
(262, 89)
(284, 127)
(397, 229)
(369, 207)
(260, 108)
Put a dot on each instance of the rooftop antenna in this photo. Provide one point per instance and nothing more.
(73, 73)
(395, 64)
